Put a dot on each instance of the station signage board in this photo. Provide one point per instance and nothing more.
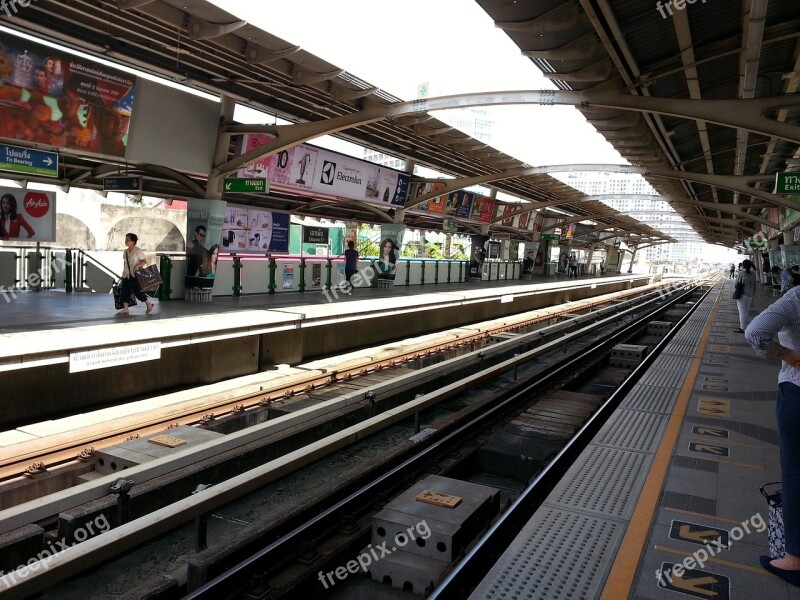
(787, 183)
(245, 185)
(28, 161)
(122, 184)
(315, 235)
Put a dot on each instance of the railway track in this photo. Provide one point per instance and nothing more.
(79, 443)
(262, 575)
(224, 492)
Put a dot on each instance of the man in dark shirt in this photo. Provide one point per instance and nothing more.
(350, 264)
(527, 264)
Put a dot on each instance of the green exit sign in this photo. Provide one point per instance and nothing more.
(550, 236)
(787, 183)
(241, 184)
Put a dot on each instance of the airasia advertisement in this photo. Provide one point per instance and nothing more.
(27, 215)
(61, 100)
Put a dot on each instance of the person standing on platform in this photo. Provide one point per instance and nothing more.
(573, 266)
(350, 264)
(747, 278)
(133, 259)
(733, 271)
(602, 267)
(527, 265)
(776, 332)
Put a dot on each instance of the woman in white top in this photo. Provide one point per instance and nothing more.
(776, 332)
(134, 260)
(747, 277)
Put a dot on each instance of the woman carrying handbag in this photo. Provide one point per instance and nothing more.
(134, 260)
(744, 290)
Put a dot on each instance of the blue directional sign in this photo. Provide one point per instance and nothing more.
(26, 160)
(122, 184)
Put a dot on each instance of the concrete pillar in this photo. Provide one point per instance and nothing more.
(214, 186)
(633, 259)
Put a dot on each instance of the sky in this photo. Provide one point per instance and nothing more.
(452, 45)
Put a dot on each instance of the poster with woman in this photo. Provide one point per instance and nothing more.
(27, 215)
(391, 244)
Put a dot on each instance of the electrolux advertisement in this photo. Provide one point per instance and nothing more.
(27, 215)
(50, 97)
(247, 230)
(322, 171)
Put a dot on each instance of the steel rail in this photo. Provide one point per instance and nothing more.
(66, 451)
(275, 552)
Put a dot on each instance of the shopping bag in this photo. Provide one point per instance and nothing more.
(117, 291)
(738, 290)
(149, 278)
(777, 538)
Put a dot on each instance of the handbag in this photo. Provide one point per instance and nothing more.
(148, 278)
(777, 538)
(738, 290)
(116, 289)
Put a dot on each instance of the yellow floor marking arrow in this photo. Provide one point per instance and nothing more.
(693, 585)
(708, 449)
(703, 536)
(715, 560)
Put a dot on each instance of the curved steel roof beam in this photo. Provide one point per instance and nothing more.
(746, 114)
(199, 29)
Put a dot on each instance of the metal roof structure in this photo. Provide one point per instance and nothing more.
(200, 45)
(685, 52)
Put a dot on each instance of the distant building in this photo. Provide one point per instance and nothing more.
(652, 211)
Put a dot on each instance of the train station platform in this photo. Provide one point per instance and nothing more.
(665, 502)
(66, 352)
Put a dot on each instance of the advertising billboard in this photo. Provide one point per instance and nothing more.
(27, 215)
(54, 98)
(317, 170)
(255, 230)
